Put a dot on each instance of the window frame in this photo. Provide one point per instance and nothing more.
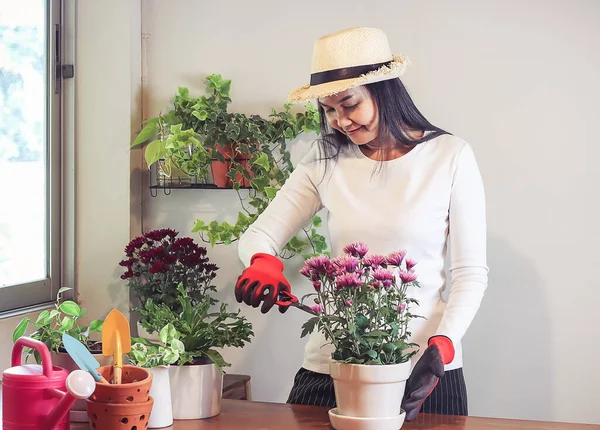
(27, 297)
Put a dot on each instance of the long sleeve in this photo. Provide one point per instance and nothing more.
(467, 231)
(293, 206)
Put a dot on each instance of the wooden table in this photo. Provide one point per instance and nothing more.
(245, 415)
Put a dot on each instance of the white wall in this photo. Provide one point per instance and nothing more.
(518, 80)
(108, 46)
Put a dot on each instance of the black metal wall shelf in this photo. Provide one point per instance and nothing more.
(167, 188)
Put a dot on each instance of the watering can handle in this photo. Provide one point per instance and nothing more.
(40, 347)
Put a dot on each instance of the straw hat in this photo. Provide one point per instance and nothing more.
(347, 59)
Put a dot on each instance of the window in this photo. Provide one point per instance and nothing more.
(30, 152)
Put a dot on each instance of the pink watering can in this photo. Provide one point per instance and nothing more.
(39, 396)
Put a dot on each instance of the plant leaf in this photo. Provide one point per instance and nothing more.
(146, 133)
(309, 326)
(20, 329)
(71, 308)
(155, 151)
(96, 325)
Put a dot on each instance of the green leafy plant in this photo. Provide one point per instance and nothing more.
(201, 330)
(362, 305)
(148, 354)
(66, 317)
(200, 130)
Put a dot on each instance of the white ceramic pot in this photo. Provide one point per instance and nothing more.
(369, 392)
(196, 391)
(162, 410)
(143, 333)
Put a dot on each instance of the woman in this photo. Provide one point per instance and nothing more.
(389, 178)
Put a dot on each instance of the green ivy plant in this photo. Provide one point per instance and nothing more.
(201, 330)
(66, 317)
(191, 135)
(148, 354)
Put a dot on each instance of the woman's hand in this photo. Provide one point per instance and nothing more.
(426, 374)
(262, 281)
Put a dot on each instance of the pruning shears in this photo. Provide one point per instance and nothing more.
(287, 299)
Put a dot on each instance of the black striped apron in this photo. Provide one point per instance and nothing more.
(449, 396)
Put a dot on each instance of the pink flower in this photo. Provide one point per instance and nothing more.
(318, 264)
(356, 249)
(348, 280)
(374, 260)
(348, 302)
(317, 285)
(347, 263)
(317, 308)
(395, 258)
(407, 276)
(402, 307)
(384, 276)
(410, 263)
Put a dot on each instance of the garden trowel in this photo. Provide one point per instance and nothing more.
(116, 341)
(82, 357)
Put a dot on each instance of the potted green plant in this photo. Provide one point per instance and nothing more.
(242, 151)
(66, 317)
(156, 263)
(157, 358)
(197, 380)
(363, 311)
(268, 166)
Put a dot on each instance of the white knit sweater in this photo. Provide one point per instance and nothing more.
(427, 202)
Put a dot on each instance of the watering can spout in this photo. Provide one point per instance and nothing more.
(80, 385)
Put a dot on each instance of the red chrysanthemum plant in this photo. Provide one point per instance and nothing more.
(156, 262)
(361, 304)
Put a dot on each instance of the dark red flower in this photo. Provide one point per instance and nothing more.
(158, 235)
(158, 267)
(126, 263)
(128, 274)
(211, 267)
(170, 259)
(136, 243)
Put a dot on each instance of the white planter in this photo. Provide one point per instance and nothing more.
(162, 410)
(368, 396)
(196, 391)
(152, 337)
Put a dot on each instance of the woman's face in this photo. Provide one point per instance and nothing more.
(353, 113)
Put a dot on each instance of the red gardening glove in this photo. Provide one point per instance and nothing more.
(262, 281)
(426, 374)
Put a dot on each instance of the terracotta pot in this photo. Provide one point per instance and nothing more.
(63, 359)
(221, 168)
(246, 165)
(110, 416)
(135, 386)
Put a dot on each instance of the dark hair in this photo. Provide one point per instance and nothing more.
(397, 112)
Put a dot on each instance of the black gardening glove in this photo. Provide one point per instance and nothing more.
(426, 374)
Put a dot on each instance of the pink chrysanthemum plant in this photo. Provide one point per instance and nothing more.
(361, 304)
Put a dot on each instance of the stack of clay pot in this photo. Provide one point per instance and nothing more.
(124, 406)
